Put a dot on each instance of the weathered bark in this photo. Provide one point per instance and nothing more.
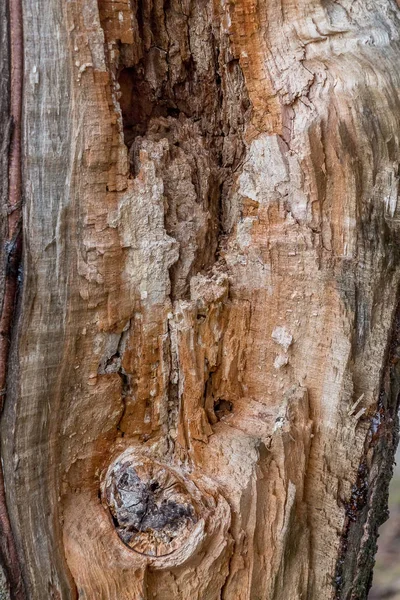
(11, 63)
(203, 380)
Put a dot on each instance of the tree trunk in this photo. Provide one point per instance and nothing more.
(203, 375)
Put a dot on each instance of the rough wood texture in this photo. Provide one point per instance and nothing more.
(211, 272)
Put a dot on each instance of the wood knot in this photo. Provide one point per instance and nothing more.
(150, 505)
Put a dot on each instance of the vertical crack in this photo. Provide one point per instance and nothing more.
(125, 391)
(112, 363)
(173, 405)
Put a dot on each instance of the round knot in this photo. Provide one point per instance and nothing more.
(151, 507)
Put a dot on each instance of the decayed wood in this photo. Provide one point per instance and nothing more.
(204, 384)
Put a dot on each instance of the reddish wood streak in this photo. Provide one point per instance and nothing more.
(13, 254)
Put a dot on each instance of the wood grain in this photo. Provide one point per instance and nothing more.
(211, 275)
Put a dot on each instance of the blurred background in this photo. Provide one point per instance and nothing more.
(386, 583)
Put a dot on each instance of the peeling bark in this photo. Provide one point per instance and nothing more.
(203, 379)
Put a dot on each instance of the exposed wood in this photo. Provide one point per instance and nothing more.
(204, 382)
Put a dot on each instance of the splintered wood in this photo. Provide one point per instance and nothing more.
(204, 380)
